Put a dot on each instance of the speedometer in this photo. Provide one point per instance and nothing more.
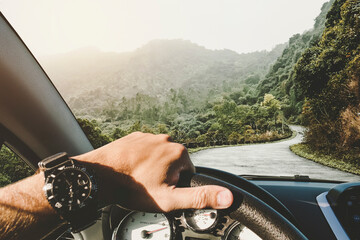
(142, 225)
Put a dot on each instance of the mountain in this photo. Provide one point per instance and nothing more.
(88, 77)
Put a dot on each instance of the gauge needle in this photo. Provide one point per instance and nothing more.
(157, 230)
(209, 214)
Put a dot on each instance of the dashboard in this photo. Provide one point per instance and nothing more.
(182, 225)
(319, 209)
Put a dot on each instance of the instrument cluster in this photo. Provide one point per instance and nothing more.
(183, 225)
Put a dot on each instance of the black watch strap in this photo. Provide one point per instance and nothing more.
(83, 218)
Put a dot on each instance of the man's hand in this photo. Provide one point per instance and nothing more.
(140, 172)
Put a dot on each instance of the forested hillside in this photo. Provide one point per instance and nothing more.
(328, 75)
(279, 81)
(198, 96)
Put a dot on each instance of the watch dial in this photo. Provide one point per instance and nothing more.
(71, 187)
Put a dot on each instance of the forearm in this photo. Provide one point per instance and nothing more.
(24, 211)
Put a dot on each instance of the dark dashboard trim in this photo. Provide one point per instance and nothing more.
(300, 199)
(295, 178)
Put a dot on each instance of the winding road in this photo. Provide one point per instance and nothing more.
(274, 159)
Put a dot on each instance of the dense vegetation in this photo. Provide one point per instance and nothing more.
(328, 75)
(219, 123)
(279, 81)
(12, 168)
(345, 163)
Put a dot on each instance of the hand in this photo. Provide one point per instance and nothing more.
(140, 172)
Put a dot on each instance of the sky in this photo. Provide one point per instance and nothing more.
(58, 26)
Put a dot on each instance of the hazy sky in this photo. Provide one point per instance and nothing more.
(56, 26)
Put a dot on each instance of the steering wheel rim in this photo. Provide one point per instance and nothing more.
(247, 209)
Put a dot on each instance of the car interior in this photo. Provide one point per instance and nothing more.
(36, 122)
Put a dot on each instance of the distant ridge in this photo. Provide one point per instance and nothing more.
(152, 69)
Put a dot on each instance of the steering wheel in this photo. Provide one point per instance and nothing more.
(255, 214)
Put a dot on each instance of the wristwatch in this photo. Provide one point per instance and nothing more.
(71, 190)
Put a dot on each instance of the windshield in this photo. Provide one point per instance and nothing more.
(250, 87)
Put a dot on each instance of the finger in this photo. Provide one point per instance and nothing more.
(185, 159)
(165, 137)
(182, 164)
(211, 196)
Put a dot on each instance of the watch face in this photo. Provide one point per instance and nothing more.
(69, 188)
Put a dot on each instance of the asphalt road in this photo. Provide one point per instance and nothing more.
(274, 159)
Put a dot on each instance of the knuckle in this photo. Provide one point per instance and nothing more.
(181, 148)
(140, 134)
(135, 134)
(200, 199)
(164, 137)
(167, 207)
(177, 150)
(164, 203)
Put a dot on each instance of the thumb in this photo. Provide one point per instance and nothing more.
(210, 196)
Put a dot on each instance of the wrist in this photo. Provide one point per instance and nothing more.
(24, 204)
(43, 204)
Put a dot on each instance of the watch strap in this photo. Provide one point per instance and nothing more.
(53, 161)
(83, 218)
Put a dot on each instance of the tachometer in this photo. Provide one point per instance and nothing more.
(201, 220)
(142, 225)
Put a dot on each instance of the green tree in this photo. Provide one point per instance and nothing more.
(235, 138)
(136, 127)
(162, 128)
(93, 133)
(272, 105)
(12, 168)
(118, 133)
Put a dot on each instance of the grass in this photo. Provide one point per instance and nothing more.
(330, 160)
(194, 150)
